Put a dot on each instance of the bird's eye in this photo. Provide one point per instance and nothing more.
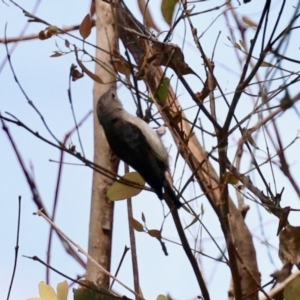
(113, 95)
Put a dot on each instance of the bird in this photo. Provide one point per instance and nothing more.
(137, 144)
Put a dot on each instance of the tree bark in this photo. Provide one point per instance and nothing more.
(101, 215)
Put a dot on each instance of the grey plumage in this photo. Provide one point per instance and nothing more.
(136, 143)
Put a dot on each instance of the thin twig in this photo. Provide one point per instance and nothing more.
(16, 249)
(81, 250)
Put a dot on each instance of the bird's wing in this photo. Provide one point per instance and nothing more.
(151, 136)
(129, 143)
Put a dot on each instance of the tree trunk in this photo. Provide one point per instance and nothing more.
(101, 216)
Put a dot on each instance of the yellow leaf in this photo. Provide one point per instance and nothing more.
(292, 290)
(62, 290)
(46, 292)
(249, 22)
(85, 26)
(121, 191)
(161, 297)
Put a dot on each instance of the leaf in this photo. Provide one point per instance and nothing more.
(292, 290)
(143, 217)
(247, 136)
(177, 117)
(52, 29)
(161, 297)
(163, 91)
(186, 209)
(121, 191)
(196, 218)
(249, 22)
(62, 290)
(56, 54)
(236, 45)
(120, 63)
(67, 43)
(155, 233)
(43, 35)
(148, 20)
(265, 64)
(169, 55)
(167, 10)
(85, 26)
(76, 74)
(289, 245)
(136, 225)
(286, 102)
(230, 178)
(46, 292)
(243, 45)
(283, 218)
(86, 70)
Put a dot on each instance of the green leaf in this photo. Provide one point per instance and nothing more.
(163, 91)
(196, 219)
(230, 178)
(167, 10)
(121, 191)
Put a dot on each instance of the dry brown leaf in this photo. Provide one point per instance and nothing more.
(136, 225)
(85, 26)
(148, 20)
(249, 22)
(86, 70)
(289, 245)
(155, 233)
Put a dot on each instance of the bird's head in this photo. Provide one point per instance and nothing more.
(109, 102)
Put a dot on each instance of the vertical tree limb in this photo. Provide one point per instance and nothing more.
(101, 215)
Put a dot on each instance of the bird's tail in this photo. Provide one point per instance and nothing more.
(169, 192)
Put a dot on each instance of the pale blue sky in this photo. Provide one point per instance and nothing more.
(45, 80)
